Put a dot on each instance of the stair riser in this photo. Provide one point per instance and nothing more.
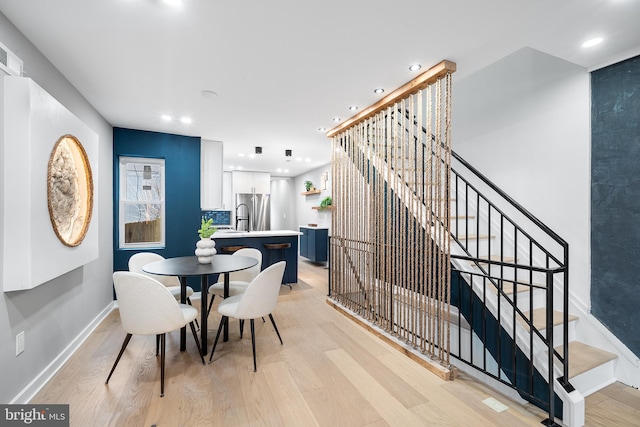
(595, 379)
(558, 333)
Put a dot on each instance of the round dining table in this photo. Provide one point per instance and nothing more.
(186, 266)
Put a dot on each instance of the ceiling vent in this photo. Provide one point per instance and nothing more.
(9, 62)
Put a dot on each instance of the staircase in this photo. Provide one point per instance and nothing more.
(516, 272)
(517, 268)
(438, 257)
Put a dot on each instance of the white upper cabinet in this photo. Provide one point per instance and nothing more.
(250, 182)
(210, 175)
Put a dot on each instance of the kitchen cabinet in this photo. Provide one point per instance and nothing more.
(211, 175)
(251, 182)
(258, 239)
(314, 243)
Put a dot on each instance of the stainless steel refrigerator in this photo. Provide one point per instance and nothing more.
(253, 212)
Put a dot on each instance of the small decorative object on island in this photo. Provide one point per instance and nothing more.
(308, 185)
(206, 247)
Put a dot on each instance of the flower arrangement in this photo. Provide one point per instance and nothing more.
(206, 228)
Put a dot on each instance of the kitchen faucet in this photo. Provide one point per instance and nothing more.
(238, 219)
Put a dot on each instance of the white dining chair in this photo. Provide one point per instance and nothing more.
(258, 300)
(148, 308)
(140, 259)
(238, 280)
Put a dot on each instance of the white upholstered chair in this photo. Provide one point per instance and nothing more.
(258, 300)
(238, 280)
(148, 308)
(140, 259)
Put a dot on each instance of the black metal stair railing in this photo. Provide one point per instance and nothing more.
(539, 262)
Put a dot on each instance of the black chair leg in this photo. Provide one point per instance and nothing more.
(253, 344)
(157, 345)
(213, 296)
(124, 345)
(196, 320)
(162, 345)
(275, 327)
(195, 337)
(241, 327)
(215, 342)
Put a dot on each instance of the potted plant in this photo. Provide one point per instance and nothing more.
(207, 229)
(206, 246)
(326, 202)
(308, 185)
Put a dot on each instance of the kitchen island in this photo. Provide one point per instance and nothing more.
(228, 241)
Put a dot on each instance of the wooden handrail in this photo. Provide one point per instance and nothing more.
(420, 82)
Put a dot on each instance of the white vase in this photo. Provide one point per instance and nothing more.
(205, 250)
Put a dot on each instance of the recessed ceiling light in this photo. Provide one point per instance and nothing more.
(286, 171)
(239, 167)
(307, 160)
(353, 107)
(279, 170)
(592, 42)
(166, 117)
(252, 156)
(185, 120)
(173, 2)
(415, 67)
(240, 154)
(336, 119)
(298, 159)
(322, 129)
(378, 90)
(208, 93)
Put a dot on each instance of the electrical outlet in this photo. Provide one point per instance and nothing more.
(19, 343)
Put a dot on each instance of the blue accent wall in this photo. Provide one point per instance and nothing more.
(615, 199)
(182, 192)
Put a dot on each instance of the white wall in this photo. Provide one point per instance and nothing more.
(304, 213)
(56, 313)
(524, 122)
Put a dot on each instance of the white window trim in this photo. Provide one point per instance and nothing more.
(122, 161)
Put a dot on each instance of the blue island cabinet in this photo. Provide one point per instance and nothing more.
(314, 243)
(229, 242)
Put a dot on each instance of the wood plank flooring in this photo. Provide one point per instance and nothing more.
(329, 372)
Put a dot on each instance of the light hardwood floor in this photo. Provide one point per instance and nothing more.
(329, 372)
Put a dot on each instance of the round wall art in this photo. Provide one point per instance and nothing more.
(69, 190)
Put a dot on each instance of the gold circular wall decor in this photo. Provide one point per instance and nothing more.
(69, 190)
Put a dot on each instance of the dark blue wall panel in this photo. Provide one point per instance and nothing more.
(615, 199)
(182, 192)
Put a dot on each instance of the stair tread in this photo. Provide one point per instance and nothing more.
(473, 236)
(508, 287)
(539, 318)
(508, 259)
(584, 357)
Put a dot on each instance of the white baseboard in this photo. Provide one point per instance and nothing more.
(47, 373)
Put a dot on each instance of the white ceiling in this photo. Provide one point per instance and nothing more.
(284, 68)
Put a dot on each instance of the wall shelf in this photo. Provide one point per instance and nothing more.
(308, 193)
(320, 208)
